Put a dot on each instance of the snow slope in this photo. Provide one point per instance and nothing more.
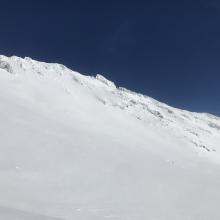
(78, 147)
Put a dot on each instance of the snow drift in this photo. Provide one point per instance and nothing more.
(78, 147)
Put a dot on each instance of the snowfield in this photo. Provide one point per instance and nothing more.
(75, 147)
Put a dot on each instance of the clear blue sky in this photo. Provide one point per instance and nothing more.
(169, 50)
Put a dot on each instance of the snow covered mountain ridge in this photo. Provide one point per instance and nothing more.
(197, 128)
(79, 147)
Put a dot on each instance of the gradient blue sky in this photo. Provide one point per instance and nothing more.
(169, 50)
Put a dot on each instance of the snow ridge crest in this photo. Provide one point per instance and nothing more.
(107, 82)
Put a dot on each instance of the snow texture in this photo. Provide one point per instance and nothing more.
(78, 147)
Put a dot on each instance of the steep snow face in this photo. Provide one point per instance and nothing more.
(78, 147)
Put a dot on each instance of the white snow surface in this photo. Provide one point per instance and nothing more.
(76, 147)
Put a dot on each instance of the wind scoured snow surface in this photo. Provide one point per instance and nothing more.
(78, 147)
